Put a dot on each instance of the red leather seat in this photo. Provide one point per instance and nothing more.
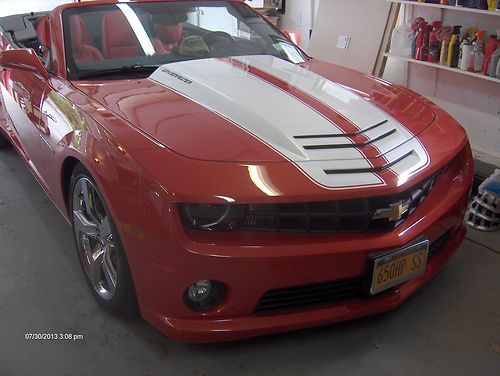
(82, 51)
(85, 30)
(43, 31)
(119, 39)
(170, 35)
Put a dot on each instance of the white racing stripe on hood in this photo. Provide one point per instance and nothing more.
(276, 117)
(353, 107)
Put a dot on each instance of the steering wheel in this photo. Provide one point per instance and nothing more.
(211, 37)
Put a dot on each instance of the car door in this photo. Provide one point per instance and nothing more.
(23, 92)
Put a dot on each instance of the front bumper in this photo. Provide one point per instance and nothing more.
(237, 328)
(251, 264)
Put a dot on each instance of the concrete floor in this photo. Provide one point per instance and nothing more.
(451, 327)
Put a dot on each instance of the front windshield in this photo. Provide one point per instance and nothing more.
(130, 38)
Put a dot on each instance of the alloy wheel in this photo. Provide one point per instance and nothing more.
(95, 240)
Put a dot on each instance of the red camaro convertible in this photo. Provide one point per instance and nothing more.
(219, 180)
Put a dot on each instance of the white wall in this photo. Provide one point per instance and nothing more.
(363, 21)
(299, 16)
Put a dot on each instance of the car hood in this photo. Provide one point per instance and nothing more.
(256, 109)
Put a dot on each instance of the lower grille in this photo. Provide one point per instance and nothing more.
(438, 244)
(306, 296)
(325, 293)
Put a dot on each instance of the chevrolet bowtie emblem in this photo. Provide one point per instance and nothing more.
(394, 213)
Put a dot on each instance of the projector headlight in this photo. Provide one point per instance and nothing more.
(212, 217)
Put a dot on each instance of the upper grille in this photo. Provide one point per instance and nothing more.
(346, 216)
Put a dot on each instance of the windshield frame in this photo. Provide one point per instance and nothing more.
(74, 71)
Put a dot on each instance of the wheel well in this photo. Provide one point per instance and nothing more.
(68, 166)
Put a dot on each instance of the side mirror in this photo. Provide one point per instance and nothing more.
(293, 36)
(23, 59)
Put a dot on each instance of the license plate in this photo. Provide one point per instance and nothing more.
(395, 267)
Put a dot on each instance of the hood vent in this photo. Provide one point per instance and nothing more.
(343, 135)
(345, 146)
(370, 169)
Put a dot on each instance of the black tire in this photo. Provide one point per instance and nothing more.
(123, 301)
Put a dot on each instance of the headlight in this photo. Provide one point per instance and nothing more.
(212, 217)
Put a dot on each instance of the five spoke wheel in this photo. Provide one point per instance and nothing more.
(94, 238)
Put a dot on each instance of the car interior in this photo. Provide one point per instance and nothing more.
(103, 39)
(118, 40)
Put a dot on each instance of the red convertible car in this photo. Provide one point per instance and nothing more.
(217, 179)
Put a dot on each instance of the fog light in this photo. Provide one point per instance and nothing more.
(204, 295)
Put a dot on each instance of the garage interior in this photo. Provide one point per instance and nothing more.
(451, 326)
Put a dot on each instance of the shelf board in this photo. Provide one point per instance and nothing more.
(443, 67)
(447, 7)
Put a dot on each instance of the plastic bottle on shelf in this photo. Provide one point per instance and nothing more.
(453, 52)
(454, 48)
(419, 45)
(495, 59)
(491, 47)
(465, 52)
(401, 41)
(426, 47)
(477, 55)
(444, 52)
(434, 43)
(414, 26)
(482, 4)
(471, 4)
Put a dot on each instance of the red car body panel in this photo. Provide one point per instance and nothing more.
(143, 172)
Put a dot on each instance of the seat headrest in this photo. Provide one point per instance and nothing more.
(43, 31)
(76, 32)
(116, 30)
(170, 34)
